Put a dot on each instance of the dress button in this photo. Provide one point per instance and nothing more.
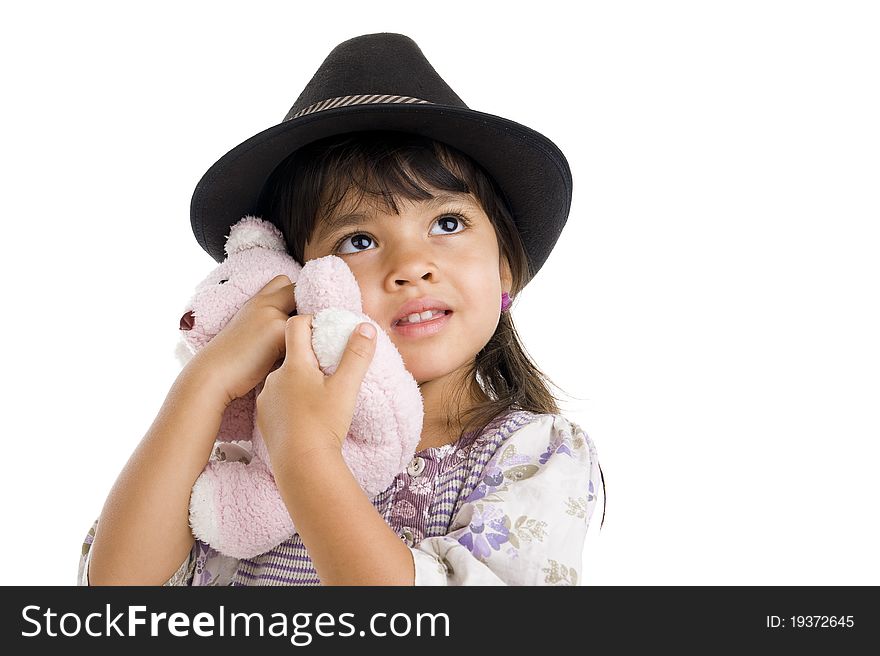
(416, 467)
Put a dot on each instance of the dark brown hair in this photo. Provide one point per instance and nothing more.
(385, 165)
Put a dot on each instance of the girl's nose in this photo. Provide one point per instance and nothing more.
(410, 265)
(425, 276)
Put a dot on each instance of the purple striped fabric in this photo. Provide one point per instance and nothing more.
(420, 502)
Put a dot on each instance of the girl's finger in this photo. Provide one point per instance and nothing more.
(278, 292)
(276, 283)
(283, 297)
(298, 342)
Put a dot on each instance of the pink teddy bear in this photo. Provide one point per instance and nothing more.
(235, 505)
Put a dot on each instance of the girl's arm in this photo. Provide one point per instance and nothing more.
(304, 416)
(143, 533)
(351, 544)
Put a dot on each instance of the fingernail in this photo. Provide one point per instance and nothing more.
(367, 330)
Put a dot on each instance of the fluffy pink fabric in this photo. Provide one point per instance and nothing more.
(235, 506)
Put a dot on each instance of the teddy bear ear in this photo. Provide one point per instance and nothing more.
(253, 232)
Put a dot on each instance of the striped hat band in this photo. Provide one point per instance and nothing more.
(346, 101)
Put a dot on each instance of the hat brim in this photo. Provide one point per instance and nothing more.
(529, 168)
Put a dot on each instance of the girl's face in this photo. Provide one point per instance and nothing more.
(442, 250)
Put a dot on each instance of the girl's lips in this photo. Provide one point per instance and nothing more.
(423, 328)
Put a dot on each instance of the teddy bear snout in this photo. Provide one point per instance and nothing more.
(187, 321)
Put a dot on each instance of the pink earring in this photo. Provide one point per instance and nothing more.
(505, 301)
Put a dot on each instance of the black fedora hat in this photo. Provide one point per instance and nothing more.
(384, 82)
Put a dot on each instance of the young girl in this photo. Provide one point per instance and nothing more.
(503, 487)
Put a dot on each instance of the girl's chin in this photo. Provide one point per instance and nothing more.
(424, 374)
(428, 364)
(422, 379)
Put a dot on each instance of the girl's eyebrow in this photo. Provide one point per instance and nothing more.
(350, 219)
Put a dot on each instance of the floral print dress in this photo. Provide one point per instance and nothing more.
(508, 506)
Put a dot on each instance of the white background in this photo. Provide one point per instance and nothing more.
(711, 308)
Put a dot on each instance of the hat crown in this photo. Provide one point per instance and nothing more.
(381, 63)
(379, 82)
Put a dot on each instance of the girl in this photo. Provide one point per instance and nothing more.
(502, 488)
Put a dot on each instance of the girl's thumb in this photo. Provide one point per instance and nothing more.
(368, 330)
(357, 357)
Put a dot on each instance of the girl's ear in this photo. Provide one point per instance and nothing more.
(506, 276)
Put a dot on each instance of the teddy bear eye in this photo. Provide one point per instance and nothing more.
(223, 281)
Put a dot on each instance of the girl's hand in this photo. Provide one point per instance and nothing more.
(252, 343)
(301, 409)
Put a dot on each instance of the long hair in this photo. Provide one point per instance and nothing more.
(387, 165)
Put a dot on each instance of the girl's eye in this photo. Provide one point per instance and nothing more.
(357, 239)
(453, 219)
(450, 221)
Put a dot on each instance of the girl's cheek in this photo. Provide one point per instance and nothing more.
(370, 306)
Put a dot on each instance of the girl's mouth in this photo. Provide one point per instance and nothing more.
(423, 328)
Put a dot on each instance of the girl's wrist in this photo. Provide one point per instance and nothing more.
(307, 461)
(197, 376)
